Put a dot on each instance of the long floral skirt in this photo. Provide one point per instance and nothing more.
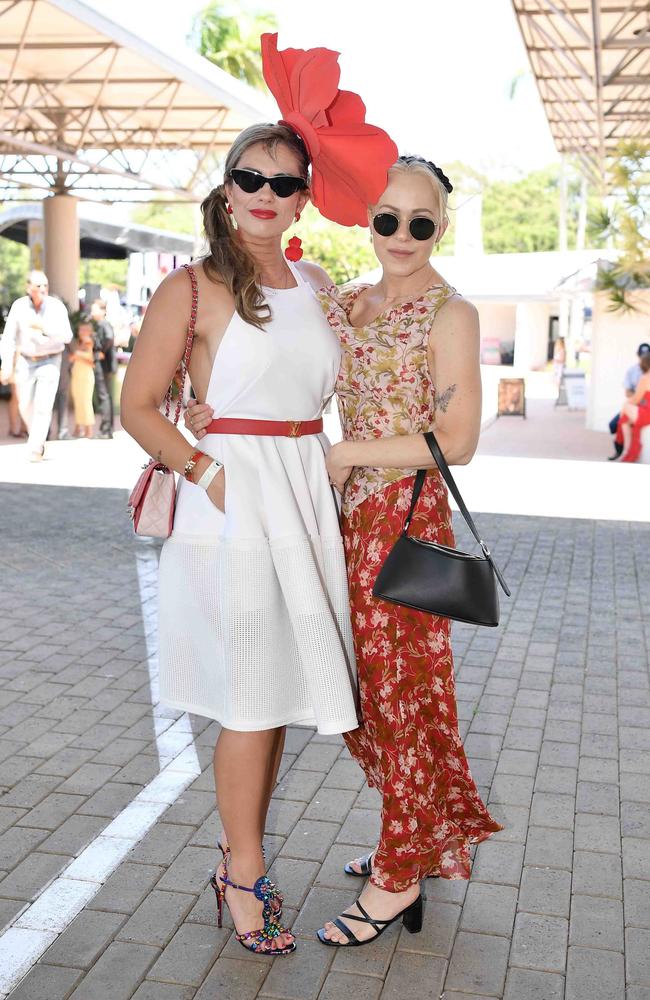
(408, 742)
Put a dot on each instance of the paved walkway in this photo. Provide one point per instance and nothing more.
(106, 805)
(547, 432)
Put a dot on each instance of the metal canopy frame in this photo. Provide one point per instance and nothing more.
(88, 108)
(591, 60)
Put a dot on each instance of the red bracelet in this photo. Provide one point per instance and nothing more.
(188, 471)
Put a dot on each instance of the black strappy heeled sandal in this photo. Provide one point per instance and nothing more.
(365, 864)
(261, 939)
(411, 918)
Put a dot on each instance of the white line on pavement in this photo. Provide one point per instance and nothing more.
(37, 927)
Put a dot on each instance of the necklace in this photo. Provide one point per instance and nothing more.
(397, 299)
(287, 278)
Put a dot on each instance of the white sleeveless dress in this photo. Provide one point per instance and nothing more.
(254, 613)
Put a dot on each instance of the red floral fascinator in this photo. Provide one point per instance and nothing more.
(350, 159)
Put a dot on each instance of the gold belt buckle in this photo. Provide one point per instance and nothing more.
(294, 428)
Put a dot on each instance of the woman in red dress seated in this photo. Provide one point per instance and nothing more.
(635, 414)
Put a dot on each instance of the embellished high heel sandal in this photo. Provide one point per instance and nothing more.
(411, 917)
(260, 940)
(277, 901)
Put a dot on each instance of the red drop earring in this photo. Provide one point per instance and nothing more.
(294, 251)
(228, 208)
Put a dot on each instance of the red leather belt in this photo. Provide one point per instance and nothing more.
(265, 428)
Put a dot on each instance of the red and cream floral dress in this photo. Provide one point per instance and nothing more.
(408, 743)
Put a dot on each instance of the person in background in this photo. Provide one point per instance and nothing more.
(62, 400)
(635, 415)
(82, 379)
(135, 326)
(559, 361)
(17, 427)
(116, 314)
(34, 339)
(104, 366)
(630, 384)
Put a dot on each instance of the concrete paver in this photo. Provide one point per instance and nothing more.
(414, 976)
(556, 714)
(594, 975)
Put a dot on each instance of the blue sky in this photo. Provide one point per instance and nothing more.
(437, 75)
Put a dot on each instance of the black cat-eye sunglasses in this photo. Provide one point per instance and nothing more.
(283, 185)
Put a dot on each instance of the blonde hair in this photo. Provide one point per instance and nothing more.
(229, 261)
(417, 164)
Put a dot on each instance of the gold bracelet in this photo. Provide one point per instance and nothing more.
(190, 464)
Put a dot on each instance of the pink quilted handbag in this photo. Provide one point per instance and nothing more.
(153, 498)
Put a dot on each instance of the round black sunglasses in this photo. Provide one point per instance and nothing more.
(283, 185)
(420, 228)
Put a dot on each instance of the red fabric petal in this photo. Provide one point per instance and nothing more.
(301, 80)
(350, 159)
(340, 190)
(347, 108)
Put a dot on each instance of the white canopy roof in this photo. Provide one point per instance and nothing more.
(85, 103)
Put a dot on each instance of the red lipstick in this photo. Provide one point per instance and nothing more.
(263, 213)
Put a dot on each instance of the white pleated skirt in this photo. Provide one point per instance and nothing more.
(254, 614)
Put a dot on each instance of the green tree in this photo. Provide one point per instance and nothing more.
(233, 42)
(173, 216)
(522, 216)
(104, 273)
(14, 265)
(345, 253)
(623, 219)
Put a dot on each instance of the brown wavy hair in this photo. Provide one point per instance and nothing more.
(229, 261)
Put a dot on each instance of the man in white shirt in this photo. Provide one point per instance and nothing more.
(634, 372)
(35, 335)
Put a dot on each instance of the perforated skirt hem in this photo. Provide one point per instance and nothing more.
(238, 726)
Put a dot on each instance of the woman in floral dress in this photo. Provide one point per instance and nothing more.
(410, 363)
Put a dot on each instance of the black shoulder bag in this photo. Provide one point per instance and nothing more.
(436, 578)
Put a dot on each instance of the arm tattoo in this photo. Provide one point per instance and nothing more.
(443, 399)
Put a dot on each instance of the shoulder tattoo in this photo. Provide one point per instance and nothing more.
(442, 399)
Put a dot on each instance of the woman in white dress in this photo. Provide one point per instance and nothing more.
(254, 617)
(254, 612)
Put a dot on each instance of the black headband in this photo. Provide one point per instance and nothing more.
(442, 177)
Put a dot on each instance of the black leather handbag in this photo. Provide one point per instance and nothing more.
(436, 578)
